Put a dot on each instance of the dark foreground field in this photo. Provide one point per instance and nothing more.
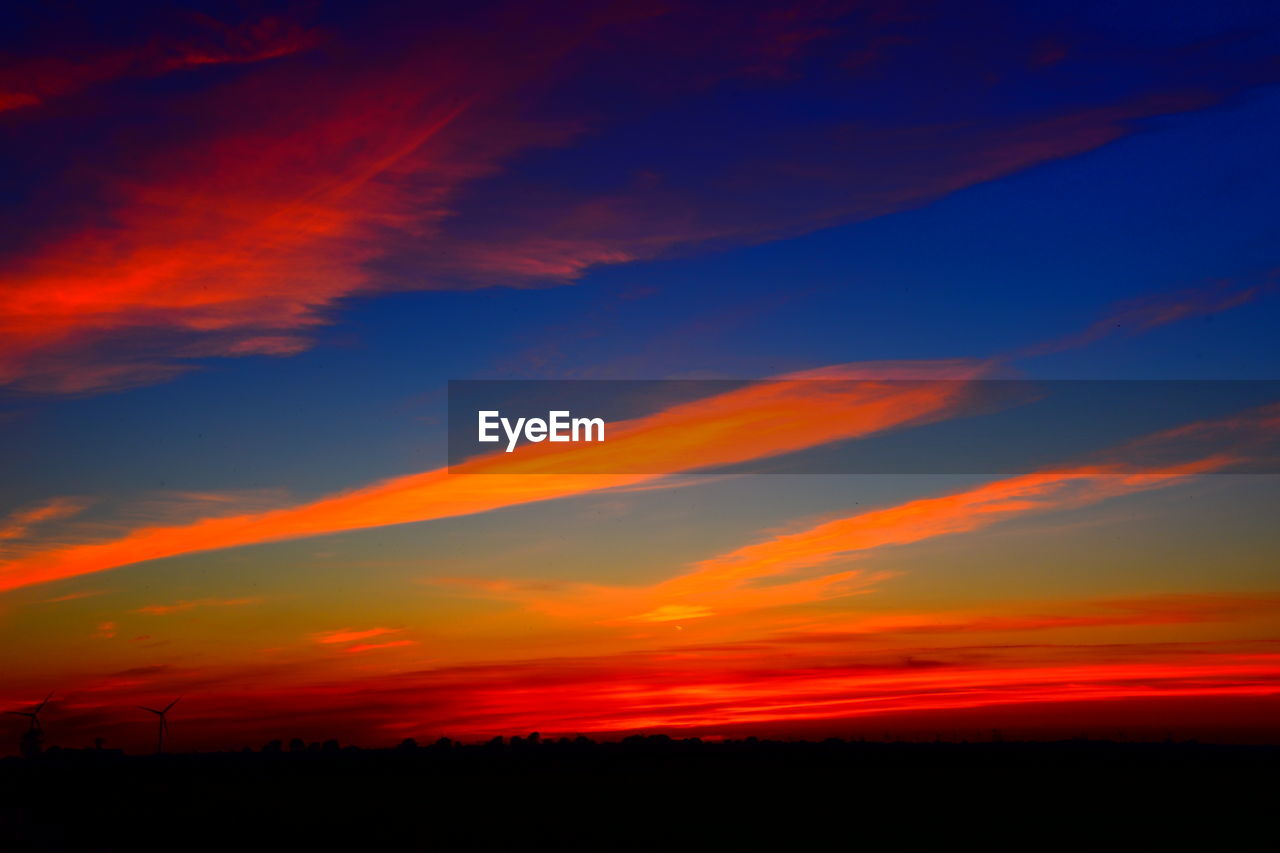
(649, 794)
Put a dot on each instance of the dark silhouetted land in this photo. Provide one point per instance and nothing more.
(643, 793)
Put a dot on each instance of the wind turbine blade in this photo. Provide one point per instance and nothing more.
(171, 704)
(40, 707)
(20, 713)
(152, 710)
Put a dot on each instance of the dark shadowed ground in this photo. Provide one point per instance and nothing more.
(648, 794)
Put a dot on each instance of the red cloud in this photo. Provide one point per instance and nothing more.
(274, 195)
(239, 232)
(191, 42)
(703, 694)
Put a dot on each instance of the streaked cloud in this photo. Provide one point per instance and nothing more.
(735, 581)
(1153, 311)
(359, 648)
(72, 596)
(175, 42)
(1019, 617)
(708, 693)
(717, 430)
(183, 606)
(19, 523)
(348, 635)
(269, 204)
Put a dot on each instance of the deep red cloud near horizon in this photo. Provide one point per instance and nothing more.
(722, 691)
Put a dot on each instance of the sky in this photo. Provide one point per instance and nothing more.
(245, 247)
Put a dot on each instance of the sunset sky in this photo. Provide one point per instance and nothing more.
(245, 246)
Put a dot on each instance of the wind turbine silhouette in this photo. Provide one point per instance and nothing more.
(164, 723)
(34, 714)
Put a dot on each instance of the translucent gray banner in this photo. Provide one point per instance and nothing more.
(863, 426)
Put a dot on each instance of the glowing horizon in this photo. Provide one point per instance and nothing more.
(247, 250)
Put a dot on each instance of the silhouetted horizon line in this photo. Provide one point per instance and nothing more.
(651, 742)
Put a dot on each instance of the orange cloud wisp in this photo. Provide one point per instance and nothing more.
(726, 583)
(755, 422)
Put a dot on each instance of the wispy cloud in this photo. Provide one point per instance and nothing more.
(714, 431)
(72, 596)
(359, 648)
(179, 43)
(734, 582)
(236, 240)
(1153, 311)
(1020, 617)
(349, 635)
(271, 203)
(18, 524)
(183, 606)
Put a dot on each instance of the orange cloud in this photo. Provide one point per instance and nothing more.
(183, 606)
(1182, 609)
(19, 523)
(758, 421)
(72, 596)
(347, 635)
(729, 583)
(369, 647)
